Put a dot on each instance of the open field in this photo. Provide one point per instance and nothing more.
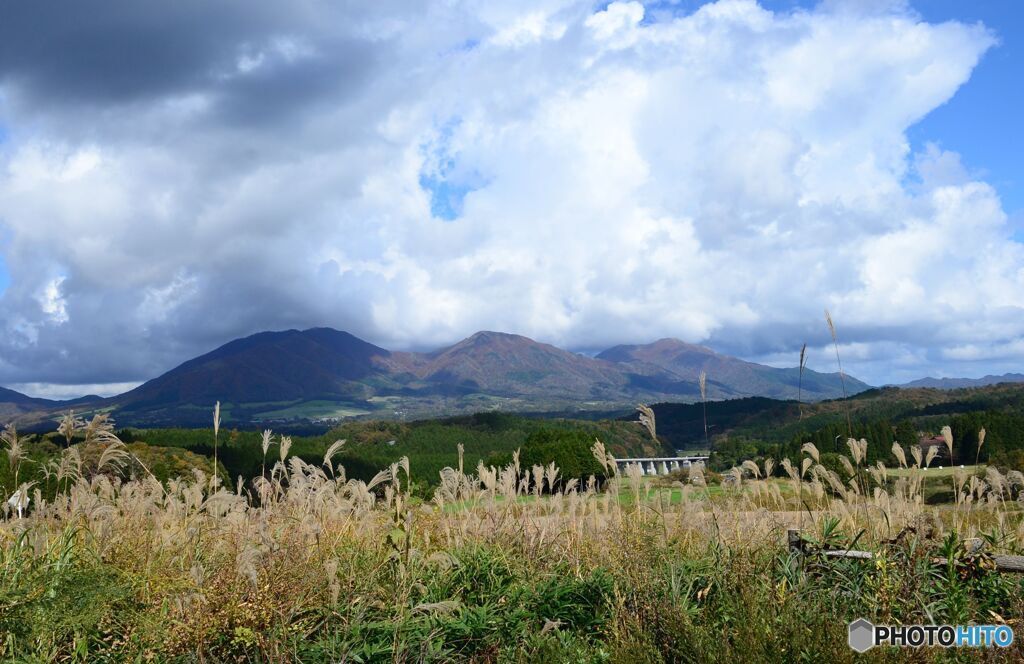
(940, 471)
(501, 564)
(312, 410)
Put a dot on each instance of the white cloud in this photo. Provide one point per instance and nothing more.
(617, 22)
(528, 29)
(52, 303)
(719, 176)
(1001, 351)
(66, 392)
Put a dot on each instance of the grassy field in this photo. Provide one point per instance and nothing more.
(509, 564)
(312, 410)
(939, 471)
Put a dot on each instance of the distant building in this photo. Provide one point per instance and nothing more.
(937, 442)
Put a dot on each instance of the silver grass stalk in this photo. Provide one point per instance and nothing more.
(855, 450)
(897, 451)
(69, 424)
(15, 448)
(800, 381)
(809, 448)
(647, 421)
(842, 376)
(216, 432)
(114, 456)
(331, 451)
(265, 443)
(551, 475)
(947, 437)
(702, 380)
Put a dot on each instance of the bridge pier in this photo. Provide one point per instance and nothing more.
(657, 465)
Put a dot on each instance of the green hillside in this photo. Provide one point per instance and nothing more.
(758, 427)
(430, 444)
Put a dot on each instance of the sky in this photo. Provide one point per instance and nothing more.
(176, 175)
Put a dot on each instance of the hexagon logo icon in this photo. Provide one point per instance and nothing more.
(862, 635)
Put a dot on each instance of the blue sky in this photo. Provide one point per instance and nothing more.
(586, 174)
(983, 122)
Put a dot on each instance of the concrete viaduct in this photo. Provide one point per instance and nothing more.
(659, 465)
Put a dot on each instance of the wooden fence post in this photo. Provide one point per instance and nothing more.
(1003, 563)
(795, 545)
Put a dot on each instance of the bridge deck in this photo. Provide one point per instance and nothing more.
(658, 459)
(660, 465)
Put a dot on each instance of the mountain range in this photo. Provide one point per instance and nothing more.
(14, 403)
(957, 383)
(323, 373)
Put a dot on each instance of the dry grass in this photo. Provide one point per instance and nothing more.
(304, 555)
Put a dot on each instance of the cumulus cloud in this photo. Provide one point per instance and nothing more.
(174, 176)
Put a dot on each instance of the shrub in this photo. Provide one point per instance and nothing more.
(569, 450)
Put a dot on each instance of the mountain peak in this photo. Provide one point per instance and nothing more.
(657, 352)
(10, 396)
(490, 335)
(956, 383)
(269, 366)
(671, 343)
(727, 376)
(487, 339)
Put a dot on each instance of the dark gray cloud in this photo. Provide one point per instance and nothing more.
(121, 52)
(254, 65)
